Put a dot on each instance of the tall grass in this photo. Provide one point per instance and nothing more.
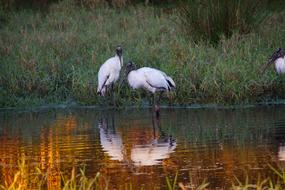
(54, 56)
(20, 180)
(76, 181)
(81, 182)
(90, 4)
(208, 20)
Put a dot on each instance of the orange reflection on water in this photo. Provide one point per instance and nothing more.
(133, 151)
(8, 161)
(142, 151)
(143, 147)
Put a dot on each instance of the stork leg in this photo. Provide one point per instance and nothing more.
(157, 108)
(112, 92)
(152, 101)
(160, 95)
(154, 106)
(153, 126)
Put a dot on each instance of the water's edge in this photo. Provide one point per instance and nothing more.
(192, 106)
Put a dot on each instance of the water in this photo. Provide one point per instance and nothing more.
(131, 146)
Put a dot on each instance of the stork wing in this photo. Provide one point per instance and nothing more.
(154, 78)
(158, 78)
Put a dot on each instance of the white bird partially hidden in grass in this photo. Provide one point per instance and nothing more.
(278, 58)
(149, 79)
(109, 73)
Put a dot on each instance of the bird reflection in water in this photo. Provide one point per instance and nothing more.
(110, 140)
(279, 136)
(150, 153)
(281, 152)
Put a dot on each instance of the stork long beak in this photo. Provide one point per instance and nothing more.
(266, 66)
(120, 57)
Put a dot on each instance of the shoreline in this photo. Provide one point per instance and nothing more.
(123, 108)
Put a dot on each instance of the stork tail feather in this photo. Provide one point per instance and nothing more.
(170, 82)
(102, 91)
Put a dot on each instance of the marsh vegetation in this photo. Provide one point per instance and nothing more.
(52, 55)
(77, 180)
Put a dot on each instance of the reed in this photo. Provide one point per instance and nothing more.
(79, 181)
(22, 179)
(210, 20)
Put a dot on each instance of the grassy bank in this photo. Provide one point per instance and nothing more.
(53, 56)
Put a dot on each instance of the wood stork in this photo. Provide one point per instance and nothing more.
(149, 79)
(109, 73)
(278, 58)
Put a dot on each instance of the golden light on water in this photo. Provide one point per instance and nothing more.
(137, 150)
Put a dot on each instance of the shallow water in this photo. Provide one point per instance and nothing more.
(131, 146)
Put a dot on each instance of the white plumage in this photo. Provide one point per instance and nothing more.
(150, 79)
(280, 65)
(109, 72)
(278, 58)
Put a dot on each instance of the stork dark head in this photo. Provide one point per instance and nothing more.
(130, 67)
(277, 54)
(119, 51)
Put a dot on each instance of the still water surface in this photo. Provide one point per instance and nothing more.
(131, 146)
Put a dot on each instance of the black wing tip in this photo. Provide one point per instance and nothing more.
(170, 84)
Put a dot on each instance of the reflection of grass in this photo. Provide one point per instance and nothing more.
(81, 182)
(224, 128)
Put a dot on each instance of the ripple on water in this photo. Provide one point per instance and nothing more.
(132, 146)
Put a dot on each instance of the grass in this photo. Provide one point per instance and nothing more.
(209, 20)
(53, 56)
(79, 181)
(171, 185)
(76, 181)
(268, 183)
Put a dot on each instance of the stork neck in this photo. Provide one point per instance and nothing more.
(120, 59)
(129, 71)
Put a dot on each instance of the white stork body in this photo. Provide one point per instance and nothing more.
(278, 58)
(150, 79)
(280, 65)
(109, 72)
